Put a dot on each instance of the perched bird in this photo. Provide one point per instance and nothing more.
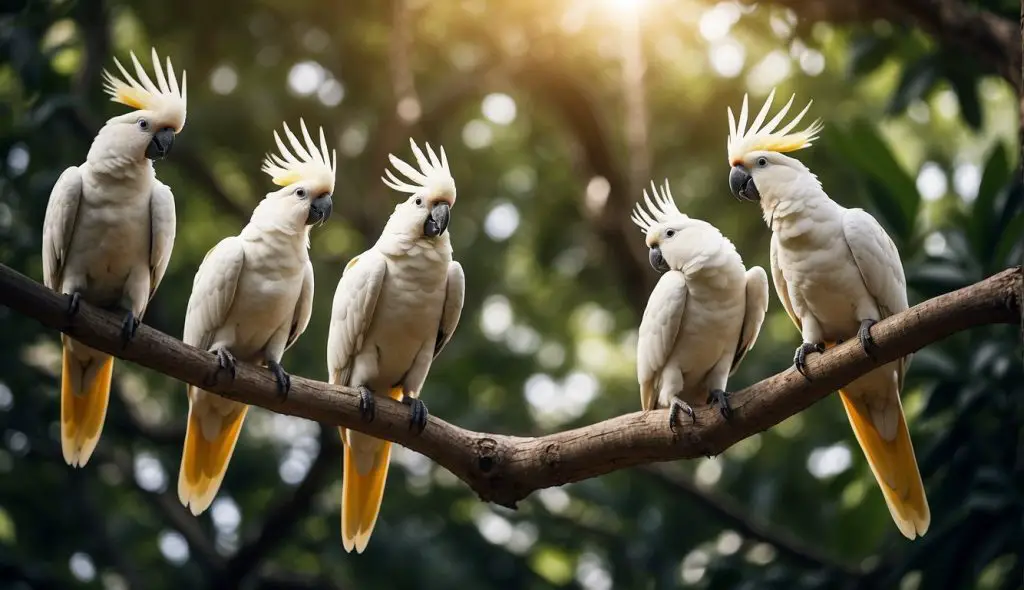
(395, 309)
(703, 315)
(251, 299)
(107, 237)
(837, 273)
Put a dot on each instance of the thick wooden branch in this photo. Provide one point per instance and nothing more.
(505, 469)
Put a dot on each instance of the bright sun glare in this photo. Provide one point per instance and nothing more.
(624, 7)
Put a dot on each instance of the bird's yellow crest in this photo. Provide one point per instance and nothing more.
(660, 209)
(434, 178)
(164, 98)
(758, 137)
(309, 161)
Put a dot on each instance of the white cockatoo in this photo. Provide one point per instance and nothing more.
(395, 309)
(108, 234)
(703, 315)
(251, 300)
(837, 273)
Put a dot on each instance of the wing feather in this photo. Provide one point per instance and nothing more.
(163, 225)
(881, 269)
(355, 301)
(753, 316)
(659, 330)
(781, 286)
(303, 307)
(454, 298)
(213, 292)
(59, 225)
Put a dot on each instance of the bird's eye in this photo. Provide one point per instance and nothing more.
(419, 201)
(143, 124)
(300, 192)
(670, 233)
(762, 162)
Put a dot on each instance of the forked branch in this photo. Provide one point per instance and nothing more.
(505, 469)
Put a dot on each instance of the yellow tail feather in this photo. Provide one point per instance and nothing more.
(82, 412)
(895, 468)
(361, 495)
(204, 462)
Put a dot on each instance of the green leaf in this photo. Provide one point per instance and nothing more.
(867, 52)
(918, 79)
(896, 199)
(965, 85)
(993, 179)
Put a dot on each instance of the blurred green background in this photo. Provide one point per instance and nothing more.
(554, 115)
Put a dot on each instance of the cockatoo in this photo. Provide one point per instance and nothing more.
(703, 316)
(251, 300)
(837, 273)
(396, 307)
(107, 237)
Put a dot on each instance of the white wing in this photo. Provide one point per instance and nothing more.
(453, 300)
(303, 307)
(162, 228)
(213, 292)
(354, 303)
(59, 225)
(658, 332)
(880, 267)
(781, 286)
(753, 316)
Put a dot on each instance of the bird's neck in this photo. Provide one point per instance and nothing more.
(108, 158)
(803, 214)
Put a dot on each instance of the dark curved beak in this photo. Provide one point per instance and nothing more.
(438, 220)
(320, 209)
(741, 183)
(658, 261)
(160, 145)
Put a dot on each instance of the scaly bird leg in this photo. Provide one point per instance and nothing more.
(866, 341)
(418, 417)
(367, 405)
(800, 358)
(717, 397)
(674, 408)
(284, 380)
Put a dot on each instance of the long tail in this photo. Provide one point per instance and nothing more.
(362, 493)
(895, 469)
(205, 456)
(84, 393)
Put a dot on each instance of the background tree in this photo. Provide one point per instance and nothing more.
(553, 115)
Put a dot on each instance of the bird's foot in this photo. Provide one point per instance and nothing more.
(74, 299)
(226, 361)
(367, 405)
(800, 358)
(674, 408)
(717, 397)
(866, 341)
(128, 327)
(418, 418)
(284, 380)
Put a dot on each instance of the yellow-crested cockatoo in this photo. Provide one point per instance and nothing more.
(702, 317)
(251, 300)
(108, 234)
(396, 306)
(837, 273)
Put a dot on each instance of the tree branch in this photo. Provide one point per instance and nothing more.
(505, 469)
(991, 38)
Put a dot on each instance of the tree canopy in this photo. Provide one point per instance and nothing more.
(554, 116)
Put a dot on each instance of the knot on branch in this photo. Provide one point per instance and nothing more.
(487, 458)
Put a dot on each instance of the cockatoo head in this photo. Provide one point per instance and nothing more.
(427, 211)
(148, 131)
(673, 238)
(306, 174)
(756, 152)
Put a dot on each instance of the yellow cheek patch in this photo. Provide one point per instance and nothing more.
(761, 136)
